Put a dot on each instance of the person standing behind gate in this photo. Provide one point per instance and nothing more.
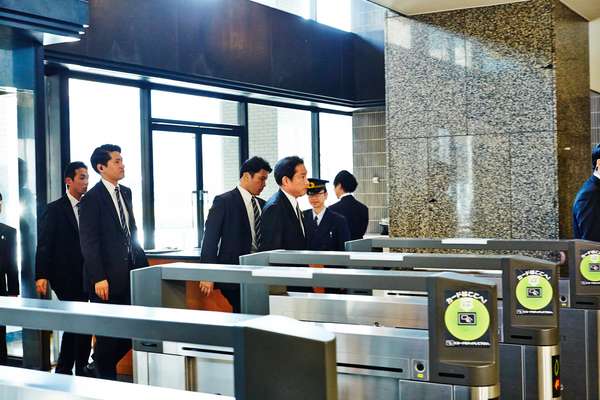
(282, 225)
(586, 207)
(233, 226)
(356, 213)
(60, 263)
(107, 231)
(9, 274)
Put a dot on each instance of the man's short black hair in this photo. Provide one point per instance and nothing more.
(595, 155)
(347, 180)
(72, 167)
(286, 167)
(101, 155)
(254, 165)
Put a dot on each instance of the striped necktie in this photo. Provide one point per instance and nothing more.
(123, 220)
(257, 222)
(299, 215)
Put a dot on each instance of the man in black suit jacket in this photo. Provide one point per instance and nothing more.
(233, 226)
(59, 262)
(9, 273)
(356, 213)
(107, 231)
(586, 207)
(282, 225)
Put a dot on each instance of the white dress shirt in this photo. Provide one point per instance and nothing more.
(74, 203)
(295, 207)
(247, 198)
(111, 190)
(345, 194)
(319, 216)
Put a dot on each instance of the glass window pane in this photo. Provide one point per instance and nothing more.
(104, 113)
(18, 187)
(335, 134)
(297, 7)
(187, 107)
(274, 133)
(220, 166)
(335, 13)
(175, 210)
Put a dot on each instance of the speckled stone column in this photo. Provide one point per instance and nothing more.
(488, 124)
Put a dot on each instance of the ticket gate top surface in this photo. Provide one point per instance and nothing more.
(582, 258)
(258, 341)
(462, 310)
(529, 286)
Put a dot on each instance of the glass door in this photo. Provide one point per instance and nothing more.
(191, 165)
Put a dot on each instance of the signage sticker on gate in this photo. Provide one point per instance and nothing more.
(589, 267)
(467, 319)
(534, 292)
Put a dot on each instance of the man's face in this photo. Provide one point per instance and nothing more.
(79, 184)
(257, 182)
(317, 200)
(114, 170)
(297, 185)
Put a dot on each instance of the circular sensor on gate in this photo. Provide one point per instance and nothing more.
(419, 367)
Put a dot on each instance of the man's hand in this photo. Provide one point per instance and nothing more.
(41, 286)
(206, 288)
(101, 289)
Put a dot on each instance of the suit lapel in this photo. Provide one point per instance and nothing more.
(109, 203)
(69, 212)
(291, 212)
(237, 196)
(325, 223)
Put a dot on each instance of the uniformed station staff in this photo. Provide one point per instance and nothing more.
(326, 230)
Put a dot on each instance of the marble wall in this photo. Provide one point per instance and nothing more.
(477, 102)
(369, 156)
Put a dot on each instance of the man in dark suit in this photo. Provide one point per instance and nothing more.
(107, 231)
(586, 207)
(356, 213)
(282, 225)
(9, 273)
(60, 263)
(233, 226)
(326, 230)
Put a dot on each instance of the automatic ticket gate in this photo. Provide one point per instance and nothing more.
(579, 298)
(528, 287)
(454, 356)
(258, 342)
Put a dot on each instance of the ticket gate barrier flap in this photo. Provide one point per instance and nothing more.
(540, 329)
(529, 285)
(310, 370)
(583, 258)
(467, 356)
(520, 369)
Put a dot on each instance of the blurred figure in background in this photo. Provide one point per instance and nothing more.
(356, 213)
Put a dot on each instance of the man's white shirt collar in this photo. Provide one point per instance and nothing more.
(109, 186)
(291, 198)
(319, 215)
(345, 194)
(597, 174)
(72, 199)
(246, 195)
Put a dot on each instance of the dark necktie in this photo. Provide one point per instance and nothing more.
(78, 207)
(257, 221)
(299, 215)
(316, 220)
(123, 221)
